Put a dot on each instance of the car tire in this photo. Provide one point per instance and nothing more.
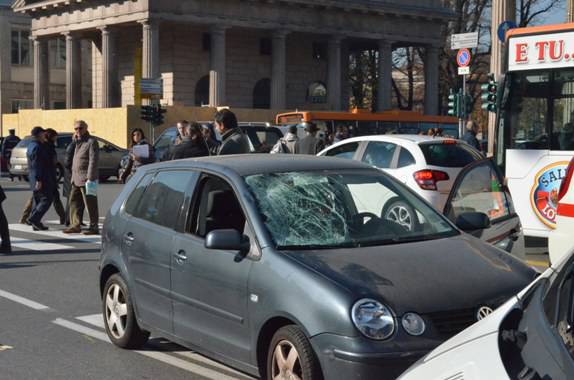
(402, 214)
(119, 317)
(291, 353)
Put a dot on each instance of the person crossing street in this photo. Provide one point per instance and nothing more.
(5, 246)
(42, 172)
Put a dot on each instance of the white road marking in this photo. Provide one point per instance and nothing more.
(94, 320)
(56, 234)
(23, 301)
(35, 245)
(160, 356)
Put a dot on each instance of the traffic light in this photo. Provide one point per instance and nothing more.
(467, 101)
(147, 113)
(489, 94)
(158, 117)
(453, 103)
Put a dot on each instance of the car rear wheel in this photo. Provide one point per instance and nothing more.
(401, 213)
(119, 317)
(291, 357)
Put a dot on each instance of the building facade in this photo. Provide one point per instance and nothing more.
(246, 54)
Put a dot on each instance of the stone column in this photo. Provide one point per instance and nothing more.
(334, 79)
(41, 74)
(217, 71)
(108, 68)
(150, 49)
(385, 80)
(431, 80)
(73, 72)
(279, 71)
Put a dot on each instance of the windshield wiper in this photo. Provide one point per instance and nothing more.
(316, 246)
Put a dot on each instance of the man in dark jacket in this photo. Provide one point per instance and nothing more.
(5, 246)
(9, 144)
(309, 144)
(192, 143)
(234, 140)
(42, 173)
(470, 135)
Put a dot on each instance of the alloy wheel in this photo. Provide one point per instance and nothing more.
(116, 311)
(286, 363)
(400, 215)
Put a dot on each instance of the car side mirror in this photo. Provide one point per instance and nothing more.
(228, 240)
(472, 221)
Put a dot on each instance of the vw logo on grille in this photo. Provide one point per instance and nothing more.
(483, 312)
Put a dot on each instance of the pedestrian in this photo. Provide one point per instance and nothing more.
(180, 127)
(309, 144)
(470, 134)
(84, 180)
(209, 137)
(9, 144)
(192, 143)
(5, 246)
(234, 141)
(287, 143)
(42, 174)
(67, 185)
(138, 139)
(342, 133)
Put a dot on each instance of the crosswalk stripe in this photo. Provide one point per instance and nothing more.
(94, 320)
(56, 234)
(35, 245)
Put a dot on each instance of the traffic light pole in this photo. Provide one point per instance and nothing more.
(461, 120)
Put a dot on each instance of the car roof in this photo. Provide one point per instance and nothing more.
(251, 164)
(417, 139)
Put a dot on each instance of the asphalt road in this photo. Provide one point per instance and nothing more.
(50, 313)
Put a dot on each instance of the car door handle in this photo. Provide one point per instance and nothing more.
(180, 257)
(129, 238)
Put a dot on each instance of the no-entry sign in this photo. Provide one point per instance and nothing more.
(463, 57)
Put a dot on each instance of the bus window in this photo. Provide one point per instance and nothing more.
(424, 127)
(349, 125)
(388, 127)
(449, 130)
(366, 128)
(409, 128)
(529, 110)
(563, 120)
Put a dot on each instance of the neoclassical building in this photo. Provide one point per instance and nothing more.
(280, 54)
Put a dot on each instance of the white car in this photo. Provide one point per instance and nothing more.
(531, 336)
(428, 165)
(560, 240)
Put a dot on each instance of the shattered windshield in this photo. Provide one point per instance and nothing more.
(326, 209)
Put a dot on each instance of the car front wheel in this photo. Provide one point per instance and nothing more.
(291, 357)
(119, 317)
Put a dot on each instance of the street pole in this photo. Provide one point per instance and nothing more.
(463, 113)
(502, 10)
(570, 11)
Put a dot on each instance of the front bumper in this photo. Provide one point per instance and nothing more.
(351, 358)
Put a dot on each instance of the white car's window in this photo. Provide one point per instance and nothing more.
(379, 154)
(405, 158)
(449, 154)
(344, 151)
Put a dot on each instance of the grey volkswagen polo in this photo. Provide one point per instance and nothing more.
(283, 267)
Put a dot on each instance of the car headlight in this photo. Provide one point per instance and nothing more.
(373, 319)
(413, 324)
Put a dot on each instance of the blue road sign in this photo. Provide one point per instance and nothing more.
(503, 28)
(463, 57)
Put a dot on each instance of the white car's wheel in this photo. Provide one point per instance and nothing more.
(402, 214)
(119, 318)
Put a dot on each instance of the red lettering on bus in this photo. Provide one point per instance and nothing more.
(556, 55)
(541, 46)
(521, 53)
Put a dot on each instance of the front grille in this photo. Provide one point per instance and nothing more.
(449, 323)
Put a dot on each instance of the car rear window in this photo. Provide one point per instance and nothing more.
(448, 155)
(63, 141)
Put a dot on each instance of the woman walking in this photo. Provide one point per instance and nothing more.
(137, 159)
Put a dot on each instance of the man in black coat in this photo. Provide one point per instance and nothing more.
(5, 246)
(192, 143)
(42, 173)
(470, 135)
(234, 141)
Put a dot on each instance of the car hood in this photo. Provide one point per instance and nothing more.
(453, 273)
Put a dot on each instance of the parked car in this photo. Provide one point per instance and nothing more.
(561, 240)
(529, 337)
(284, 265)
(433, 167)
(109, 163)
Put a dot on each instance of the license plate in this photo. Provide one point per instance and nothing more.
(18, 167)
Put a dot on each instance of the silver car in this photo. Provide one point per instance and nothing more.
(110, 156)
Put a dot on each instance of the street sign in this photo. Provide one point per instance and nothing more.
(464, 70)
(503, 28)
(464, 40)
(463, 58)
(151, 87)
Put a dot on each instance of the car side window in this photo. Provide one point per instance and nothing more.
(566, 312)
(480, 190)
(379, 154)
(405, 158)
(216, 207)
(133, 201)
(163, 198)
(344, 151)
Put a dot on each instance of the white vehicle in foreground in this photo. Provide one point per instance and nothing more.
(530, 337)
(428, 165)
(561, 239)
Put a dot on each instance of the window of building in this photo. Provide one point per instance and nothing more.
(202, 92)
(21, 47)
(206, 41)
(21, 104)
(317, 93)
(59, 105)
(265, 46)
(262, 94)
(320, 51)
(57, 53)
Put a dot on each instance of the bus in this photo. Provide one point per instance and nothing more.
(362, 122)
(535, 121)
